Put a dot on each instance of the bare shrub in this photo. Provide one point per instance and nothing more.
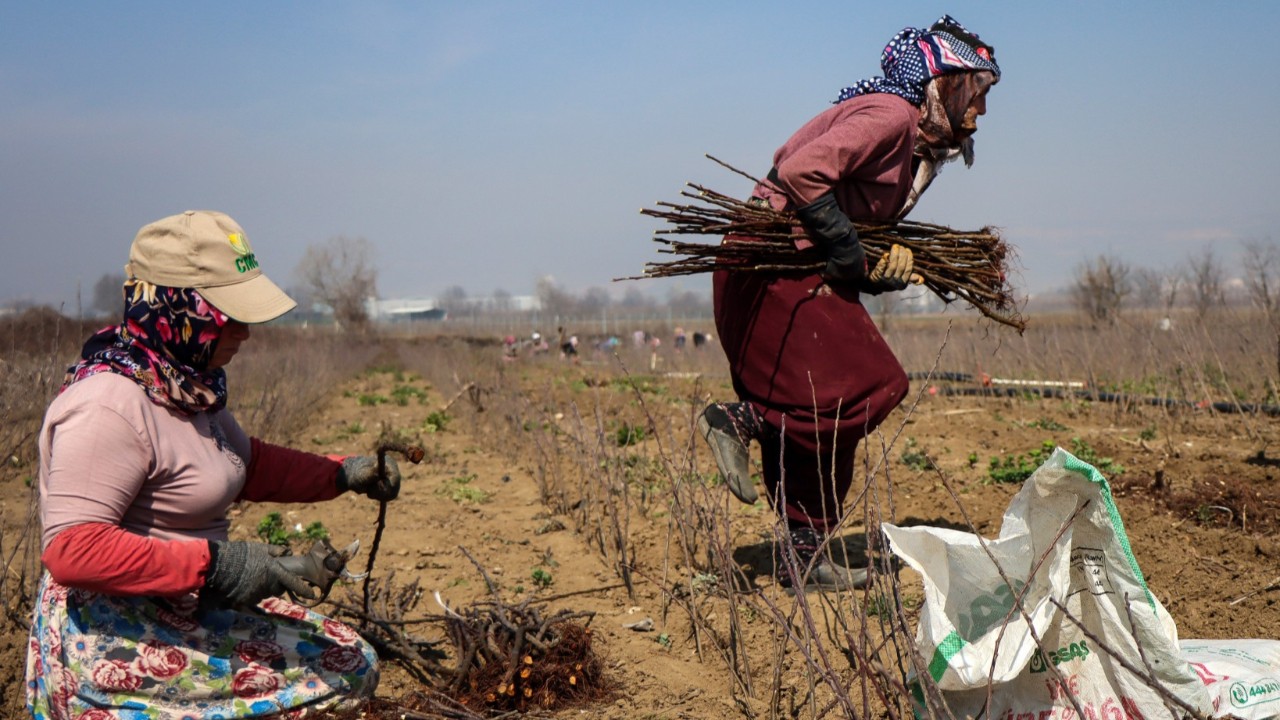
(1101, 286)
(1205, 282)
(284, 375)
(340, 274)
(1260, 266)
(108, 294)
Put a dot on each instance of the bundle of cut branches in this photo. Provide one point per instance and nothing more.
(970, 266)
(514, 657)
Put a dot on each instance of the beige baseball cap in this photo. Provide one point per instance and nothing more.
(208, 251)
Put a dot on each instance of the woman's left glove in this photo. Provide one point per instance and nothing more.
(360, 474)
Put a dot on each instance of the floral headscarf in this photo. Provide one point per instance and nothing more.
(915, 56)
(164, 344)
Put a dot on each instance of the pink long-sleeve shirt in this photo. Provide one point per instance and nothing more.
(131, 492)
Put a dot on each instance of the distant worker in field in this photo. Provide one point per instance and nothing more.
(811, 370)
(146, 608)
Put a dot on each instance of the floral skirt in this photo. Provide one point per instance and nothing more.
(99, 657)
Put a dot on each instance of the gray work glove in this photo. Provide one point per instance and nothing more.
(831, 230)
(243, 573)
(893, 271)
(360, 474)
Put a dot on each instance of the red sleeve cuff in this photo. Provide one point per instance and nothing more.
(108, 559)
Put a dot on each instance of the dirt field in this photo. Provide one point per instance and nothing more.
(1198, 495)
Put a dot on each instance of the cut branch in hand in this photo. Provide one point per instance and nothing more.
(970, 266)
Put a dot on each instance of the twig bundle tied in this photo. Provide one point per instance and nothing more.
(970, 266)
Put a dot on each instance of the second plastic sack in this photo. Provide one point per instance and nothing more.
(1061, 539)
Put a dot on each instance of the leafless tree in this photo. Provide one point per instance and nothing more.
(340, 274)
(554, 301)
(594, 301)
(1204, 277)
(1101, 287)
(1260, 267)
(501, 300)
(688, 303)
(108, 294)
(454, 300)
(1155, 288)
(634, 299)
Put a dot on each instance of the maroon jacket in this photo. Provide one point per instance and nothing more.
(811, 354)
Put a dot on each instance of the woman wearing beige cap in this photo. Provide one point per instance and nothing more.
(146, 608)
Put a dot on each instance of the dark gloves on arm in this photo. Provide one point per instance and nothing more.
(244, 573)
(360, 474)
(831, 230)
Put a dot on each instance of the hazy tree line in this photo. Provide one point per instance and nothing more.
(1105, 286)
(339, 274)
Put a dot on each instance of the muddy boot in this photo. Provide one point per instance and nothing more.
(817, 570)
(729, 445)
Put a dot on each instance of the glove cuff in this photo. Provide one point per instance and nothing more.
(825, 222)
(228, 562)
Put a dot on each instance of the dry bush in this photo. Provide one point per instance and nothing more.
(1101, 287)
(283, 375)
(1145, 355)
(340, 274)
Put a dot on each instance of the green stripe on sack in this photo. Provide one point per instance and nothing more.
(1090, 473)
(950, 645)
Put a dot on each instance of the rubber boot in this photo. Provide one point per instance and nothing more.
(730, 451)
(818, 571)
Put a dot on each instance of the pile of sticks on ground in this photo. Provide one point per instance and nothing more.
(514, 657)
(970, 266)
(506, 657)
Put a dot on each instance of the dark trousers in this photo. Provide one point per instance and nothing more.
(808, 486)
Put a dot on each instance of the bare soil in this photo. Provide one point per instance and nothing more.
(1197, 495)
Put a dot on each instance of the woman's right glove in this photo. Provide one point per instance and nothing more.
(831, 230)
(893, 271)
(243, 573)
(359, 473)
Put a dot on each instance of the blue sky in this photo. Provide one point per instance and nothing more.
(485, 144)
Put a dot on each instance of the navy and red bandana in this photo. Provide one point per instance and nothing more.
(915, 56)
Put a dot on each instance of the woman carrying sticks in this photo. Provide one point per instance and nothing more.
(811, 370)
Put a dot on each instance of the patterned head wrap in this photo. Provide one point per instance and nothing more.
(164, 344)
(915, 56)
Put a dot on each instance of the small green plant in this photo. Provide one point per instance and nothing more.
(542, 578)
(436, 421)
(1148, 433)
(371, 399)
(629, 434)
(1085, 452)
(1017, 468)
(1047, 424)
(878, 605)
(316, 531)
(973, 460)
(664, 640)
(460, 490)
(272, 530)
(705, 583)
(402, 393)
(916, 459)
(350, 429)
